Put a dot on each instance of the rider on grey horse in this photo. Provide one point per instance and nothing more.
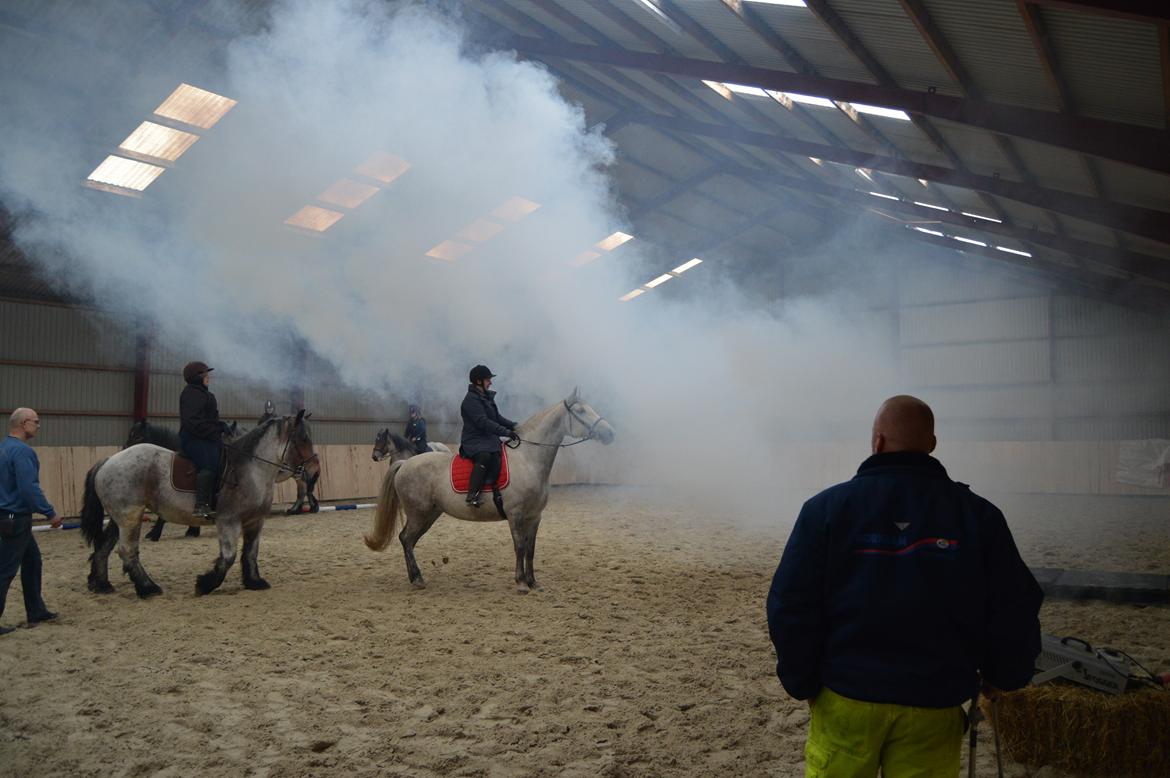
(200, 433)
(416, 430)
(483, 426)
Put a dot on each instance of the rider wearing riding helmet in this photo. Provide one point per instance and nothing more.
(483, 426)
(200, 432)
(416, 430)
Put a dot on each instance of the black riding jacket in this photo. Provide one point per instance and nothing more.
(199, 413)
(416, 433)
(483, 426)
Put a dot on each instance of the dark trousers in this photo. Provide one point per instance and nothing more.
(21, 551)
(204, 453)
(486, 471)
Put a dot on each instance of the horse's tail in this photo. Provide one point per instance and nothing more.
(389, 507)
(92, 513)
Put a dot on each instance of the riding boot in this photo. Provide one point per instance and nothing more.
(204, 486)
(475, 485)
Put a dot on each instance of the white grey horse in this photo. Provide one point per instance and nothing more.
(138, 479)
(420, 487)
(388, 445)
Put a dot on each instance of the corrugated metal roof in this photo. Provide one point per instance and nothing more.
(722, 23)
(991, 41)
(1111, 65)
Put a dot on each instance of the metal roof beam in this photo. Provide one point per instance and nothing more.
(1164, 48)
(1140, 10)
(1143, 147)
(1130, 218)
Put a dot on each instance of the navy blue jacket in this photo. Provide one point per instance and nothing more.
(416, 432)
(199, 413)
(902, 586)
(483, 426)
(20, 481)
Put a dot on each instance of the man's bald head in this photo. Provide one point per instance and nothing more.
(23, 423)
(903, 423)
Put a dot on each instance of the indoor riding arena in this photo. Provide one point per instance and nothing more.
(313, 314)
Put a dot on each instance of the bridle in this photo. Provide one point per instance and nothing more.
(297, 472)
(590, 431)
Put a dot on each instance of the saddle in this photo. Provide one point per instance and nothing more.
(183, 472)
(461, 468)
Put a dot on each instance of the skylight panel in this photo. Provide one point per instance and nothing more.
(515, 209)
(449, 250)
(625, 298)
(347, 193)
(383, 166)
(480, 230)
(750, 91)
(981, 216)
(1013, 251)
(864, 174)
(930, 232)
(796, 97)
(816, 161)
(790, 3)
(684, 267)
(613, 241)
(961, 239)
(195, 106)
(924, 182)
(929, 205)
(662, 279)
(723, 91)
(585, 257)
(883, 196)
(876, 110)
(125, 173)
(314, 218)
(158, 141)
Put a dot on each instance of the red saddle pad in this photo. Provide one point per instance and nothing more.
(461, 472)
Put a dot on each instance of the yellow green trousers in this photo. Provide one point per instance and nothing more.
(853, 739)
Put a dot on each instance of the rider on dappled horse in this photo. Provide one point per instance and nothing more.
(483, 426)
(200, 433)
(416, 430)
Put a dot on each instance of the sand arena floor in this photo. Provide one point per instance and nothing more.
(646, 654)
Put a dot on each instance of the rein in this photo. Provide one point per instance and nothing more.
(297, 472)
(590, 432)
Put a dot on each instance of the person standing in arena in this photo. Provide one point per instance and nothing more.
(899, 596)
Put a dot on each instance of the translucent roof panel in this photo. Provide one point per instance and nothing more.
(480, 230)
(613, 241)
(195, 106)
(347, 193)
(449, 250)
(125, 173)
(383, 166)
(515, 209)
(313, 218)
(158, 141)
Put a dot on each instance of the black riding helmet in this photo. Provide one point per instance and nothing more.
(193, 371)
(480, 373)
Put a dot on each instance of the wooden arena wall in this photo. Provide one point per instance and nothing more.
(349, 474)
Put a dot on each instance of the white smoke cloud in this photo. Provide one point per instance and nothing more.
(686, 378)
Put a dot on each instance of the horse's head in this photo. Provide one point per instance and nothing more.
(137, 434)
(231, 432)
(299, 452)
(584, 422)
(381, 445)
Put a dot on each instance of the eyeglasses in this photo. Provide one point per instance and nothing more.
(33, 421)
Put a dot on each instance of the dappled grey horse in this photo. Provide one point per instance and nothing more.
(421, 487)
(389, 445)
(138, 479)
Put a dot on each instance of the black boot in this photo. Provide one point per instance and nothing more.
(204, 487)
(475, 485)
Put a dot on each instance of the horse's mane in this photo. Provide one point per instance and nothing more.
(400, 443)
(247, 443)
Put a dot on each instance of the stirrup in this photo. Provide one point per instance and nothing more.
(474, 499)
(203, 512)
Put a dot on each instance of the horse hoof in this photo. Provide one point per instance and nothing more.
(101, 587)
(258, 584)
(419, 583)
(206, 583)
(153, 538)
(146, 592)
(522, 589)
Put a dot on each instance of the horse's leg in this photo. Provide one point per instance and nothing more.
(99, 560)
(229, 534)
(314, 506)
(128, 550)
(416, 526)
(520, 542)
(249, 561)
(299, 505)
(530, 575)
(156, 531)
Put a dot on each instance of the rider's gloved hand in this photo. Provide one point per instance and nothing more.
(513, 437)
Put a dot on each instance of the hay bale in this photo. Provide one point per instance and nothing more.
(1085, 731)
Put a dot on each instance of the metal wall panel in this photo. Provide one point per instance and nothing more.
(82, 431)
(66, 389)
(940, 281)
(51, 333)
(1076, 316)
(975, 364)
(1026, 317)
(358, 433)
(1136, 428)
(1138, 357)
(1112, 399)
(999, 403)
(1015, 429)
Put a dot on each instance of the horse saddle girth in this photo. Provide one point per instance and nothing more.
(183, 472)
(461, 468)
